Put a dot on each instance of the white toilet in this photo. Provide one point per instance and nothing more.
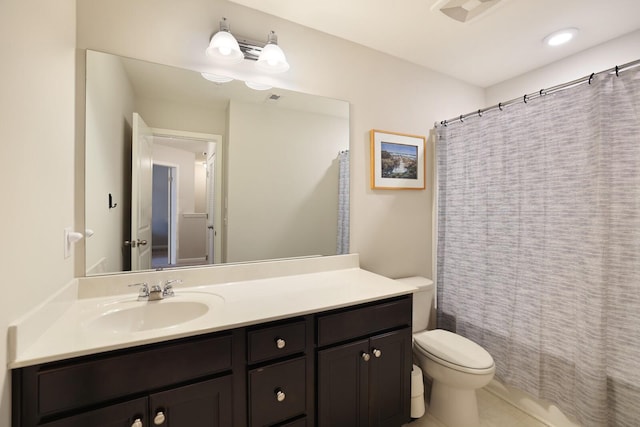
(456, 365)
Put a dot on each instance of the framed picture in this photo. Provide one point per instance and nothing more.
(397, 161)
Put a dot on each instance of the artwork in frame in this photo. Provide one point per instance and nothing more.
(397, 161)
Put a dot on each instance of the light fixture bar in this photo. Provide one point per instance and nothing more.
(251, 48)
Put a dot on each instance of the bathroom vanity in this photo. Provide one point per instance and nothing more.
(339, 355)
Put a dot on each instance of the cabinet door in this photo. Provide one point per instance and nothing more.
(121, 415)
(390, 378)
(343, 383)
(204, 404)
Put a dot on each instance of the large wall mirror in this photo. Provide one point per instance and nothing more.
(182, 171)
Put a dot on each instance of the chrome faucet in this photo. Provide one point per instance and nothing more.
(167, 291)
(156, 292)
(144, 290)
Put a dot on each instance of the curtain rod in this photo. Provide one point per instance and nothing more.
(528, 97)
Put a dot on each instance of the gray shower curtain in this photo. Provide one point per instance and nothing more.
(539, 244)
(342, 239)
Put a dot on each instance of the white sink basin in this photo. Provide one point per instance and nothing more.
(137, 316)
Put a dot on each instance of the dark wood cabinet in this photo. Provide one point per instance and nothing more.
(281, 373)
(365, 381)
(204, 404)
(118, 415)
(184, 379)
(348, 367)
(390, 378)
(343, 385)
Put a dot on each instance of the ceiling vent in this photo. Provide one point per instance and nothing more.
(465, 10)
(272, 98)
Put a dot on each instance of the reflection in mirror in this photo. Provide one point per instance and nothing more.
(182, 171)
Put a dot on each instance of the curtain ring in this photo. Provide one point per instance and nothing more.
(542, 92)
(617, 71)
(591, 77)
(500, 106)
(479, 113)
(461, 118)
(525, 99)
(444, 122)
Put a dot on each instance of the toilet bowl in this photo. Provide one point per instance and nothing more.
(456, 365)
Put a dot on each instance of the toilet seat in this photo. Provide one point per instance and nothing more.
(454, 351)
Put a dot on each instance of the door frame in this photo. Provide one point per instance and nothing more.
(219, 208)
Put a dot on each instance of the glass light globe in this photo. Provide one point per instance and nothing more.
(224, 48)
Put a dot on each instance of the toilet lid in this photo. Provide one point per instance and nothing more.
(454, 349)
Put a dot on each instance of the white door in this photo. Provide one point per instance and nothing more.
(141, 194)
(214, 201)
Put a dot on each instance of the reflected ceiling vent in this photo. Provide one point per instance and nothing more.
(273, 98)
(466, 10)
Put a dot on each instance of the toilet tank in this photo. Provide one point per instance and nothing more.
(423, 306)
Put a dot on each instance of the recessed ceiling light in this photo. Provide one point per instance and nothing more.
(560, 37)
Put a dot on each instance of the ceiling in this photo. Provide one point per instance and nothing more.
(502, 43)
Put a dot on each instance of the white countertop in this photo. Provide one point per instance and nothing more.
(236, 304)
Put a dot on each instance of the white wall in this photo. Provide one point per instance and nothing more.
(109, 112)
(390, 229)
(175, 116)
(283, 208)
(37, 149)
(607, 55)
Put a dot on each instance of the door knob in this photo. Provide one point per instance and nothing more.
(376, 352)
(280, 343)
(137, 423)
(280, 396)
(142, 242)
(365, 356)
(159, 418)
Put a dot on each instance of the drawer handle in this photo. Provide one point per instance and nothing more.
(376, 352)
(280, 396)
(137, 423)
(281, 343)
(365, 356)
(159, 418)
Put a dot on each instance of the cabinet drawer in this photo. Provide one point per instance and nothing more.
(265, 404)
(359, 322)
(85, 382)
(276, 341)
(302, 422)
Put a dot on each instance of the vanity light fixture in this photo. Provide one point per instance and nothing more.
(228, 50)
(560, 37)
(272, 59)
(224, 47)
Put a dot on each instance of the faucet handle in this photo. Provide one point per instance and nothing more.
(168, 287)
(144, 289)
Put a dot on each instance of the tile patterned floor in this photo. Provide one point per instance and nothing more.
(494, 412)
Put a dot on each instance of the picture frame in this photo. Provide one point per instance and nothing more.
(397, 161)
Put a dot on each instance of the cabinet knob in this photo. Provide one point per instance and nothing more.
(280, 396)
(365, 356)
(137, 423)
(159, 418)
(281, 343)
(376, 352)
